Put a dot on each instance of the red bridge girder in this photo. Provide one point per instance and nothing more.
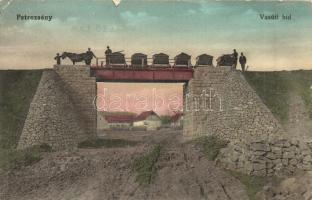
(142, 75)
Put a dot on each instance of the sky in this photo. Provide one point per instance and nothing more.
(153, 26)
(194, 27)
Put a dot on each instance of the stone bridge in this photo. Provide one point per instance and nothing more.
(217, 101)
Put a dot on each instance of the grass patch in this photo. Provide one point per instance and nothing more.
(254, 184)
(17, 88)
(109, 143)
(211, 146)
(274, 88)
(144, 166)
(307, 97)
(302, 84)
(17, 159)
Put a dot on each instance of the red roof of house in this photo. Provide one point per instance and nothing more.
(176, 117)
(119, 118)
(144, 115)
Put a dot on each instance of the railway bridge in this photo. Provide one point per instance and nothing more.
(140, 68)
(142, 75)
(217, 100)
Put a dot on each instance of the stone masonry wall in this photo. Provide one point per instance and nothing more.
(220, 102)
(61, 113)
(52, 118)
(83, 90)
(267, 158)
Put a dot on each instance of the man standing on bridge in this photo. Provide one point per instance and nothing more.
(58, 59)
(235, 55)
(108, 53)
(89, 57)
(242, 61)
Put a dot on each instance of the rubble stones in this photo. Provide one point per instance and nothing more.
(61, 113)
(280, 157)
(260, 147)
(258, 143)
(233, 109)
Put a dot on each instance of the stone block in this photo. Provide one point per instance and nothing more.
(260, 147)
(278, 166)
(285, 161)
(307, 158)
(261, 172)
(277, 150)
(295, 142)
(289, 154)
(306, 152)
(293, 162)
(271, 156)
(258, 166)
(270, 172)
(259, 153)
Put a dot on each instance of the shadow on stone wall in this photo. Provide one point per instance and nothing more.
(52, 117)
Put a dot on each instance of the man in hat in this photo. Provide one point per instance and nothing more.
(108, 53)
(90, 56)
(58, 59)
(242, 61)
(235, 55)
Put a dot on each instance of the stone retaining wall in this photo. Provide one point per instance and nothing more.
(52, 118)
(221, 102)
(267, 158)
(83, 90)
(61, 113)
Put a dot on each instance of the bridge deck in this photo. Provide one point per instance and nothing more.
(155, 74)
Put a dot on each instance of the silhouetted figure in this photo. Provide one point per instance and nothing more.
(235, 55)
(58, 59)
(108, 53)
(242, 61)
(89, 56)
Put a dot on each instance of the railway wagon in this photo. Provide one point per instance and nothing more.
(226, 60)
(204, 60)
(117, 58)
(161, 59)
(182, 60)
(139, 60)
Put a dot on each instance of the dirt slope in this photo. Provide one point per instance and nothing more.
(298, 187)
(96, 174)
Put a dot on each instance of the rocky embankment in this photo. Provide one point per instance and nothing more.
(96, 174)
(267, 158)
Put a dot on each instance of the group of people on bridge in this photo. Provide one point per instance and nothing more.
(89, 55)
(242, 60)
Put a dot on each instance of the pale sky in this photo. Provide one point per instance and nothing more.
(194, 27)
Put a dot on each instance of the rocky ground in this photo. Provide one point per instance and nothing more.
(106, 173)
(292, 188)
